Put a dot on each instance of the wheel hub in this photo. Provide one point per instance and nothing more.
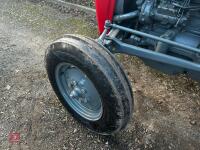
(78, 91)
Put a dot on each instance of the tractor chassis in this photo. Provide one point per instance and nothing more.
(161, 61)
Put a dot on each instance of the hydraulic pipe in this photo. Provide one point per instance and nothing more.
(130, 15)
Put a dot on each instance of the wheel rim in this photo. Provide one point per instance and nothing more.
(78, 91)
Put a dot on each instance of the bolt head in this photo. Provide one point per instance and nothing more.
(83, 91)
(73, 84)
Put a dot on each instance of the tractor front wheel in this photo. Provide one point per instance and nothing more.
(90, 83)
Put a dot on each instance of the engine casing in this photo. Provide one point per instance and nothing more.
(166, 19)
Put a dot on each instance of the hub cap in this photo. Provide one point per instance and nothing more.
(78, 91)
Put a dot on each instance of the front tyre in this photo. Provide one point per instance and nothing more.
(90, 83)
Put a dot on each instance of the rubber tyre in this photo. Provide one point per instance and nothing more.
(106, 74)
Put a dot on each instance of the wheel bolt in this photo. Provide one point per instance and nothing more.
(83, 91)
(73, 84)
(73, 94)
(82, 82)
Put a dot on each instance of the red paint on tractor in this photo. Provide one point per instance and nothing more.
(104, 11)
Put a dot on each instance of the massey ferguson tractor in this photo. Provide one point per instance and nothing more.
(91, 83)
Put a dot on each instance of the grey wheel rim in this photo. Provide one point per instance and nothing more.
(78, 91)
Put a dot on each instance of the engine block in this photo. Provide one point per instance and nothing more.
(176, 20)
(164, 12)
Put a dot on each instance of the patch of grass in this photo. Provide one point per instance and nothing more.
(48, 21)
(83, 27)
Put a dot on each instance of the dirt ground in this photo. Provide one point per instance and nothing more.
(166, 111)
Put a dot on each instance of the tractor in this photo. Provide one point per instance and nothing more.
(88, 79)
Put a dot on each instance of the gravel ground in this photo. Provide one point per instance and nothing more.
(166, 113)
(88, 3)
